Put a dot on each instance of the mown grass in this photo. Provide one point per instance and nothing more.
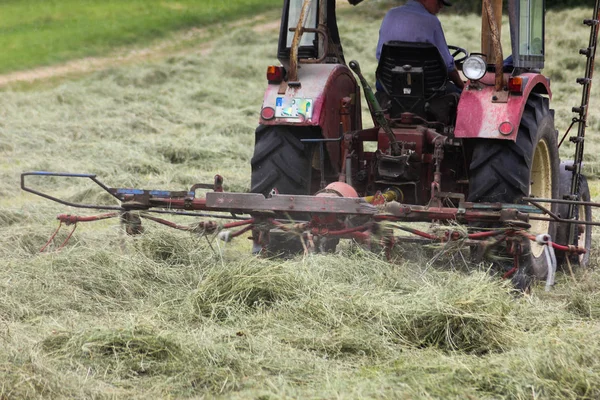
(166, 315)
(349, 325)
(42, 32)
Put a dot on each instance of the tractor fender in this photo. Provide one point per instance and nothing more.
(316, 101)
(481, 110)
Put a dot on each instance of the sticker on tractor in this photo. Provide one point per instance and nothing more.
(293, 108)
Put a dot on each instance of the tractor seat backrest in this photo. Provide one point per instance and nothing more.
(411, 74)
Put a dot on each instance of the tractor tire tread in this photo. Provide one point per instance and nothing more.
(281, 161)
(500, 169)
(491, 167)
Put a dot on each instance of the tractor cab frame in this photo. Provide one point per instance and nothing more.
(527, 30)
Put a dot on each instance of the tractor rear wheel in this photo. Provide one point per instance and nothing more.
(283, 164)
(505, 171)
(281, 161)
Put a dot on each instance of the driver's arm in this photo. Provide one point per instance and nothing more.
(439, 40)
(455, 77)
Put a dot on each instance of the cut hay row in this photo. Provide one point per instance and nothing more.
(90, 322)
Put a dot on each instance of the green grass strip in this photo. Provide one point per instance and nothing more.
(43, 32)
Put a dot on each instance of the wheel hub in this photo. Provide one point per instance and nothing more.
(541, 187)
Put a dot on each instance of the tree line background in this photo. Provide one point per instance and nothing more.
(474, 6)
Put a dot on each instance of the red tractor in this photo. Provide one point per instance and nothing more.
(487, 159)
(494, 144)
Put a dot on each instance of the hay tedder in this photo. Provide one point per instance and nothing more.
(486, 159)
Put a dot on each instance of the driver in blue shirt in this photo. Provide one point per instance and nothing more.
(416, 21)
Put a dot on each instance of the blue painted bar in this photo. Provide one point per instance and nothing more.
(65, 174)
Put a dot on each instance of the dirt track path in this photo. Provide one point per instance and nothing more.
(191, 40)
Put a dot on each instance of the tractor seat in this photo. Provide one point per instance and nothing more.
(413, 78)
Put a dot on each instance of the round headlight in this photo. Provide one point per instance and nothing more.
(474, 68)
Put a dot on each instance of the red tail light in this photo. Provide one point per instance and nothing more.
(515, 84)
(506, 128)
(275, 74)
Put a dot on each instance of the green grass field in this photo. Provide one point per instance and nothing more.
(43, 32)
(166, 315)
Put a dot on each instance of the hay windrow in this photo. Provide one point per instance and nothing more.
(467, 314)
(209, 364)
(225, 290)
(9, 217)
(342, 342)
(174, 248)
(586, 305)
(124, 352)
(569, 364)
(552, 365)
(27, 379)
(584, 299)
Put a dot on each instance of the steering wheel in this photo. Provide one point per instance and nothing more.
(459, 54)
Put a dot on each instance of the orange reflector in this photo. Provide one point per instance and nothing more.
(275, 74)
(267, 113)
(515, 84)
